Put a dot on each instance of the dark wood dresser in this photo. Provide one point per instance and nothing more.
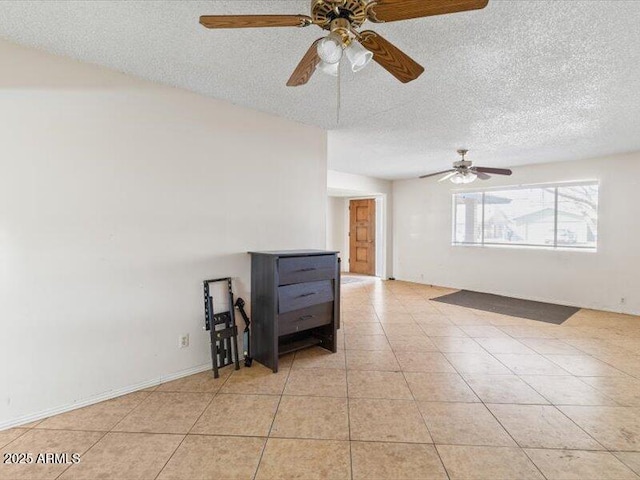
(295, 302)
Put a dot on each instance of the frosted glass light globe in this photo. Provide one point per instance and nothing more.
(330, 48)
(461, 178)
(358, 56)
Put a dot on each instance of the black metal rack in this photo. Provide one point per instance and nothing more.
(222, 328)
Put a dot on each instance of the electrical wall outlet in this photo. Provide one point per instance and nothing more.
(623, 300)
(183, 341)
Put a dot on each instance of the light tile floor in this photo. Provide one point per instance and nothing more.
(418, 389)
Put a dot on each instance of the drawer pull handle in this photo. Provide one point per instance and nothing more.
(306, 317)
(309, 269)
(307, 294)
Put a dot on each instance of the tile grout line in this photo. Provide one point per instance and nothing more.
(498, 421)
(544, 356)
(552, 404)
(624, 374)
(491, 412)
(26, 430)
(266, 439)
(184, 436)
(566, 404)
(83, 454)
(132, 410)
(443, 354)
(488, 409)
(346, 376)
(415, 401)
(104, 433)
(191, 428)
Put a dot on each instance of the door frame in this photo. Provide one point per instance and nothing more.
(369, 241)
(381, 233)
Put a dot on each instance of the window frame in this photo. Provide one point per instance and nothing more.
(552, 247)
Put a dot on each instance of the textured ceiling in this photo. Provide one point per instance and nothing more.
(519, 82)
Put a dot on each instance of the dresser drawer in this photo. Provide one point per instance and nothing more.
(306, 269)
(302, 295)
(300, 320)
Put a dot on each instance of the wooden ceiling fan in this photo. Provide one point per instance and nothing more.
(343, 18)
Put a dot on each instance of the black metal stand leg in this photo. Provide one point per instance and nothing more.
(214, 354)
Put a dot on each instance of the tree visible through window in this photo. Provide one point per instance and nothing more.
(561, 216)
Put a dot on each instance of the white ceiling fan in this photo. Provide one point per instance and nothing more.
(464, 172)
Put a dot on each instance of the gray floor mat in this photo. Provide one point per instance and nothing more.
(515, 307)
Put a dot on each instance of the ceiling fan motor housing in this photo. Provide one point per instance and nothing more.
(345, 17)
(324, 12)
(462, 164)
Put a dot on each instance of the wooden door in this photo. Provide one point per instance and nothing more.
(362, 234)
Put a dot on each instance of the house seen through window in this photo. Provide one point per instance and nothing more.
(549, 216)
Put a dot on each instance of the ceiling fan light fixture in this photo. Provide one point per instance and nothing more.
(463, 177)
(358, 56)
(330, 48)
(329, 68)
(343, 18)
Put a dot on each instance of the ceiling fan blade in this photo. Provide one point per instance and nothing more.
(494, 171)
(394, 10)
(306, 67)
(390, 57)
(437, 173)
(253, 21)
(482, 176)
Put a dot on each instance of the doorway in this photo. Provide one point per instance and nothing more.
(362, 236)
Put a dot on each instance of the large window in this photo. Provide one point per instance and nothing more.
(549, 216)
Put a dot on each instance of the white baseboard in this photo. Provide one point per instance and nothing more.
(25, 419)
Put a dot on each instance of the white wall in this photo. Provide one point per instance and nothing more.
(336, 225)
(423, 251)
(117, 198)
(349, 184)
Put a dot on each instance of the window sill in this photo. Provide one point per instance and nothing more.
(528, 247)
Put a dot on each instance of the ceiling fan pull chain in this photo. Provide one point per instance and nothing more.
(338, 99)
(344, 18)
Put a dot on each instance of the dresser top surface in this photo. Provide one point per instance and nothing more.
(294, 253)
